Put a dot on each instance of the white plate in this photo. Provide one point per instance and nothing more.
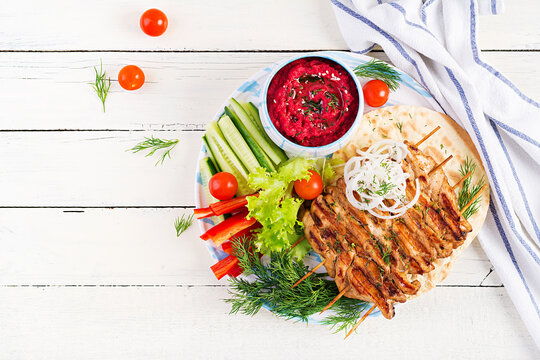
(409, 93)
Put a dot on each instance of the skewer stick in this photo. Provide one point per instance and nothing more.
(440, 165)
(342, 292)
(361, 321)
(427, 136)
(474, 198)
(308, 274)
(462, 180)
(297, 242)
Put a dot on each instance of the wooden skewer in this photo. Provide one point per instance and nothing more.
(440, 165)
(427, 136)
(308, 274)
(461, 180)
(335, 299)
(297, 242)
(474, 198)
(361, 321)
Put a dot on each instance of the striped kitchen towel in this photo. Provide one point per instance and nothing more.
(435, 41)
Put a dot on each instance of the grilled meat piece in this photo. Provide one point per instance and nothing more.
(375, 257)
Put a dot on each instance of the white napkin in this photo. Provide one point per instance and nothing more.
(435, 42)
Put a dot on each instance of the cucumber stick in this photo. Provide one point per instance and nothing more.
(226, 158)
(252, 110)
(207, 169)
(257, 151)
(210, 154)
(272, 150)
(238, 144)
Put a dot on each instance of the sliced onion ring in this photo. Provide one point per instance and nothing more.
(376, 175)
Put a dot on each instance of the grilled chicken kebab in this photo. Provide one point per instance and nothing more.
(376, 259)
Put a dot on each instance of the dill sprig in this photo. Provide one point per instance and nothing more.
(101, 85)
(182, 223)
(399, 125)
(468, 191)
(155, 144)
(273, 284)
(378, 69)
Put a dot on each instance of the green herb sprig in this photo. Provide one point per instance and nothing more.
(101, 84)
(378, 69)
(468, 191)
(182, 223)
(399, 125)
(154, 144)
(273, 284)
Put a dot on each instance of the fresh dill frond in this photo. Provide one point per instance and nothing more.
(272, 287)
(399, 125)
(154, 144)
(378, 69)
(182, 223)
(101, 84)
(468, 191)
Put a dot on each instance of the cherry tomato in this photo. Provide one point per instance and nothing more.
(131, 77)
(154, 22)
(376, 93)
(223, 186)
(309, 189)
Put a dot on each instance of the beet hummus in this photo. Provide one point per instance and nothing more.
(312, 101)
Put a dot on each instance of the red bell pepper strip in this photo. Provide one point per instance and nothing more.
(226, 266)
(227, 228)
(203, 213)
(227, 246)
(227, 206)
(235, 271)
(245, 232)
(222, 207)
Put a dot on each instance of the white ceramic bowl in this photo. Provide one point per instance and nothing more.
(293, 148)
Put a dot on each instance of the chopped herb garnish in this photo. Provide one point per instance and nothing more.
(101, 84)
(378, 69)
(468, 191)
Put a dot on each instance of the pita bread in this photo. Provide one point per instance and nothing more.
(451, 139)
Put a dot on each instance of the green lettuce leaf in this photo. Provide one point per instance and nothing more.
(276, 209)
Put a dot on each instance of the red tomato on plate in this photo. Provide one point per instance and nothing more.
(309, 189)
(131, 77)
(376, 93)
(223, 186)
(154, 22)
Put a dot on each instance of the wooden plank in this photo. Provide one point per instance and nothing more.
(94, 169)
(211, 25)
(174, 322)
(183, 91)
(129, 247)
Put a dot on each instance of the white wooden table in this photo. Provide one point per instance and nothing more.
(90, 265)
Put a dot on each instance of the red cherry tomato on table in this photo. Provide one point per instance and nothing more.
(376, 93)
(131, 77)
(223, 186)
(309, 189)
(154, 22)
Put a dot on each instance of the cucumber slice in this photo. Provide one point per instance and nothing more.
(252, 110)
(258, 152)
(226, 159)
(272, 150)
(237, 143)
(211, 155)
(207, 169)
